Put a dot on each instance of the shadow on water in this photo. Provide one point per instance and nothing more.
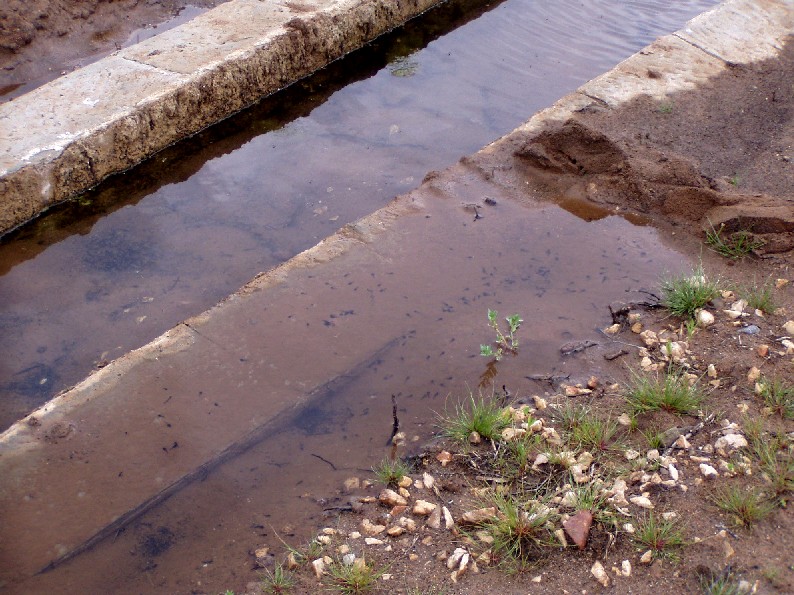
(184, 159)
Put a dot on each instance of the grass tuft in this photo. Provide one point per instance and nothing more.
(482, 415)
(277, 581)
(594, 433)
(671, 391)
(736, 245)
(390, 472)
(684, 295)
(355, 579)
(745, 506)
(519, 530)
(778, 396)
(661, 536)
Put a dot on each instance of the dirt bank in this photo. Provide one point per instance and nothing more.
(42, 39)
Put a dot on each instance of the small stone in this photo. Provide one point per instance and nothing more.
(789, 345)
(324, 539)
(673, 472)
(750, 329)
(578, 527)
(625, 420)
(615, 354)
(704, 318)
(649, 338)
(370, 528)
(395, 531)
(592, 382)
(597, 570)
(754, 374)
(730, 442)
(404, 493)
(405, 482)
(647, 557)
(625, 568)
(682, 443)
(727, 548)
(509, 434)
(348, 559)
(444, 458)
(475, 438)
(352, 483)
(343, 549)
(536, 579)
(428, 481)
(540, 459)
(779, 283)
(574, 391)
(434, 520)
(318, 566)
(535, 426)
(560, 535)
(631, 454)
(641, 501)
(540, 402)
(789, 327)
(456, 557)
(408, 524)
(708, 471)
(636, 328)
(449, 522)
(423, 507)
(373, 541)
(612, 330)
(478, 516)
(763, 350)
(391, 498)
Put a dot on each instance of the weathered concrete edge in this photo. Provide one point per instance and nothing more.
(621, 80)
(195, 102)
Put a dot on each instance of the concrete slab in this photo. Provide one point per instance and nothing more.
(69, 135)
(742, 31)
(655, 72)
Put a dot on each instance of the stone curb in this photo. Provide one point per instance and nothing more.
(67, 136)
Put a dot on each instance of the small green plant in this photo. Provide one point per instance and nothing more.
(519, 530)
(504, 342)
(684, 295)
(670, 391)
(776, 462)
(661, 536)
(722, 584)
(736, 245)
(569, 416)
(778, 396)
(355, 578)
(734, 180)
(654, 438)
(520, 454)
(759, 296)
(391, 472)
(666, 107)
(483, 416)
(594, 433)
(277, 581)
(745, 506)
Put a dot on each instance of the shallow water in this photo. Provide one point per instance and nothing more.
(115, 268)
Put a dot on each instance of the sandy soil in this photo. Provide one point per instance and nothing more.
(42, 39)
(720, 156)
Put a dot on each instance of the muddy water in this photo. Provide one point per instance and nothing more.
(421, 291)
(169, 239)
(112, 270)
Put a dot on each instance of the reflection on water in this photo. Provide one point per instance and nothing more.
(111, 271)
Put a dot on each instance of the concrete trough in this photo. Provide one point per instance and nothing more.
(203, 376)
(67, 136)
